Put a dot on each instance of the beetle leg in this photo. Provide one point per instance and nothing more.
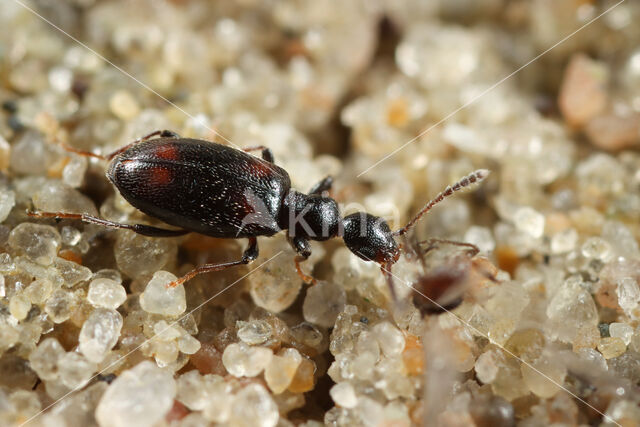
(161, 133)
(385, 268)
(267, 154)
(146, 230)
(250, 254)
(302, 247)
(322, 186)
(432, 243)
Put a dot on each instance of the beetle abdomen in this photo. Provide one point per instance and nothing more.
(202, 186)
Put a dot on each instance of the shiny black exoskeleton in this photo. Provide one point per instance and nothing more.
(216, 190)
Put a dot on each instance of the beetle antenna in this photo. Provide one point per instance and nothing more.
(472, 178)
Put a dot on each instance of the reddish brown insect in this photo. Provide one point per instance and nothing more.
(442, 287)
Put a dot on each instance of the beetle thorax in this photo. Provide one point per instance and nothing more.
(312, 216)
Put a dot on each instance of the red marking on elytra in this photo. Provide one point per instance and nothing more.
(160, 176)
(166, 152)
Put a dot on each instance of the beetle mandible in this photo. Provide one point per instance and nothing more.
(213, 189)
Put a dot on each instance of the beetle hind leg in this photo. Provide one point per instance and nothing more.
(145, 230)
(250, 254)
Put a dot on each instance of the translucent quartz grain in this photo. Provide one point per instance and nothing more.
(307, 334)
(593, 356)
(622, 331)
(7, 202)
(60, 305)
(56, 196)
(254, 407)
(39, 242)
(44, 359)
(60, 79)
(75, 370)
(167, 332)
(30, 155)
(191, 390)
(621, 239)
(389, 338)
(6, 263)
(596, 248)
(481, 237)
(530, 221)
(70, 235)
(188, 344)
(628, 293)
(208, 393)
(71, 272)
(219, 404)
(139, 397)
(138, 255)
(323, 302)
(486, 367)
(100, 333)
(571, 308)
(254, 332)
(5, 154)
(38, 291)
(344, 395)
(165, 352)
(159, 299)
(242, 360)
(303, 380)
(106, 293)
(367, 344)
(275, 289)
(586, 337)
(123, 105)
(26, 403)
(611, 347)
(281, 369)
(19, 306)
(74, 171)
(583, 92)
(544, 376)
(526, 344)
(564, 241)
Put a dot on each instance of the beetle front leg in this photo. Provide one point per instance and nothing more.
(322, 186)
(161, 133)
(145, 230)
(432, 243)
(267, 154)
(385, 268)
(250, 254)
(303, 248)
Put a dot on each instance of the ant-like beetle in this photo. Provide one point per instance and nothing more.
(212, 189)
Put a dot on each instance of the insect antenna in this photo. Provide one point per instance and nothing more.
(472, 178)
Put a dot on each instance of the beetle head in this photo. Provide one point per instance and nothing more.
(370, 238)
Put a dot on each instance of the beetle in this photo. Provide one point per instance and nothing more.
(216, 190)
